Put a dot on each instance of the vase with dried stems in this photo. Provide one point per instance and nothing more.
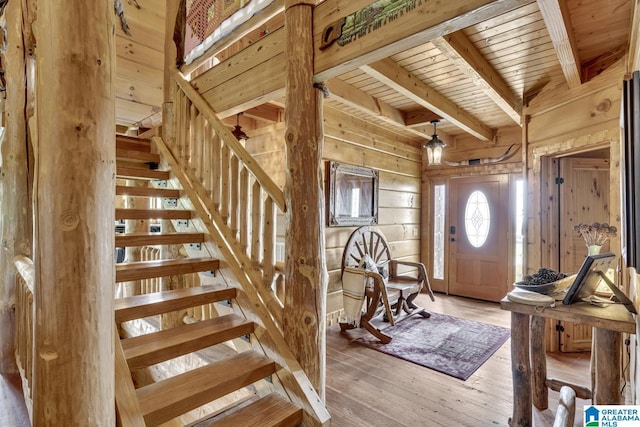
(595, 235)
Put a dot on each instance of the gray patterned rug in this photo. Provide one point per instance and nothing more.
(443, 343)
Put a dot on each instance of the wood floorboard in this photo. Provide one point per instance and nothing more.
(369, 388)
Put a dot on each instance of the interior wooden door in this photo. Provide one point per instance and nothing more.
(478, 237)
(584, 198)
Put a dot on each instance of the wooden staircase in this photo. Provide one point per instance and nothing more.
(166, 399)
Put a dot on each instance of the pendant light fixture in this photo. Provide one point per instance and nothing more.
(434, 147)
(238, 132)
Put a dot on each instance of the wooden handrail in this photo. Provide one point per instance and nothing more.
(25, 268)
(249, 162)
(256, 302)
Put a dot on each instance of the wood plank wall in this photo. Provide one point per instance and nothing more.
(564, 122)
(356, 142)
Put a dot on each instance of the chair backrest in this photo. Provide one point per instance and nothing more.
(366, 240)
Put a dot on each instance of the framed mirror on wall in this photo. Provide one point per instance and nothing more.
(353, 195)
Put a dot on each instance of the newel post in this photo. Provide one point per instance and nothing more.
(74, 214)
(305, 272)
(15, 226)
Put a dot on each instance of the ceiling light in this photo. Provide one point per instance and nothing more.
(434, 147)
(238, 132)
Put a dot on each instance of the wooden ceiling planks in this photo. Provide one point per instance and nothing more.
(515, 44)
(600, 26)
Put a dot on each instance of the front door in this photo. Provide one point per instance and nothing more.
(478, 237)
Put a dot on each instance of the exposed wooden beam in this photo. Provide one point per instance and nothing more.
(266, 112)
(461, 51)
(556, 18)
(362, 101)
(403, 81)
(421, 118)
(390, 32)
(634, 39)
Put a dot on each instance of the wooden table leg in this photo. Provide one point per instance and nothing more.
(539, 363)
(520, 371)
(608, 374)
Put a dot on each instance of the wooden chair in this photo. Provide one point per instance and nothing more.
(388, 289)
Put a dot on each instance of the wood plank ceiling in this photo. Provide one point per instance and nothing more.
(476, 79)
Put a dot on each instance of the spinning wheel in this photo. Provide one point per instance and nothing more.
(367, 254)
(366, 241)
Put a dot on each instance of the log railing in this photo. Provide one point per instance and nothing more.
(234, 188)
(239, 205)
(24, 325)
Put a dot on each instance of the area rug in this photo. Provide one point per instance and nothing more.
(447, 344)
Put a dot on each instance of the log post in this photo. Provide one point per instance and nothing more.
(74, 214)
(520, 370)
(539, 363)
(15, 222)
(306, 275)
(608, 374)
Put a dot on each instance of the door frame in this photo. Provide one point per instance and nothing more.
(546, 168)
(427, 236)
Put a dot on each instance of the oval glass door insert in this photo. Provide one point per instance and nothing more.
(477, 219)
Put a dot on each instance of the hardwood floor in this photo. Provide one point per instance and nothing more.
(369, 388)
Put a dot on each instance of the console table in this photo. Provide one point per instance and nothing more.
(528, 359)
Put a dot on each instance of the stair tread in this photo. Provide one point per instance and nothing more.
(269, 411)
(123, 190)
(150, 239)
(153, 214)
(148, 349)
(140, 306)
(140, 173)
(136, 156)
(139, 270)
(169, 398)
(126, 142)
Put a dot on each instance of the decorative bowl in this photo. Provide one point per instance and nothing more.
(545, 288)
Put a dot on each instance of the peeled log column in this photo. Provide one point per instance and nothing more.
(305, 269)
(74, 207)
(15, 228)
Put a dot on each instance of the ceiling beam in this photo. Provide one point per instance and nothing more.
(421, 118)
(461, 51)
(367, 104)
(403, 81)
(556, 18)
(389, 28)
